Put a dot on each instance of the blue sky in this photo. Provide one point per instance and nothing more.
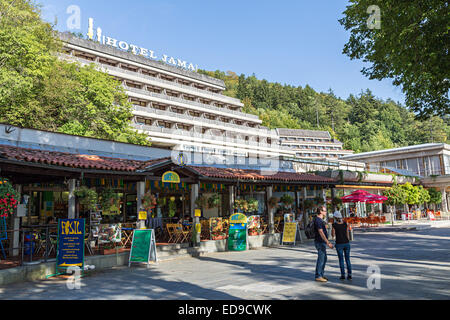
(296, 42)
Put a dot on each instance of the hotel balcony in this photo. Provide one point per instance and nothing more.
(172, 137)
(202, 122)
(172, 85)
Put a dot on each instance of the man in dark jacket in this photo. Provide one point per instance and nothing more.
(321, 242)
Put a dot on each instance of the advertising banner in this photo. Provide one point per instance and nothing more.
(70, 243)
(237, 239)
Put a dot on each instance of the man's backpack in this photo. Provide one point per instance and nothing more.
(310, 230)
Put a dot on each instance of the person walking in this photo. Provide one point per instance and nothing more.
(321, 242)
(340, 232)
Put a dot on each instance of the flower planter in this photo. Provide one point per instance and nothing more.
(107, 252)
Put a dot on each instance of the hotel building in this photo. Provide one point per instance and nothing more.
(312, 144)
(179, 109)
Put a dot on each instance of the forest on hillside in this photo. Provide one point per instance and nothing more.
(362, 122)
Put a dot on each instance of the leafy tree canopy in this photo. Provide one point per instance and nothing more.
(40, 91)
(409, 44)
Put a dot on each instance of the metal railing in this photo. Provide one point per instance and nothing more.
(219, 97)
(248, 130)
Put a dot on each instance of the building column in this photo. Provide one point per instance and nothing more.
(140, 188)
(194, 195)
(305, 215)
(444, 200)
(231, 197)
(269, 191)
(72, 186)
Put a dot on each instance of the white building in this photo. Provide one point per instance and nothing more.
(430, 162)
(312, 144)
(178, 108)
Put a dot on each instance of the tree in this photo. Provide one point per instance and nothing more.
(37, 90)
(409, 45)
(435, 197)
(396, 196)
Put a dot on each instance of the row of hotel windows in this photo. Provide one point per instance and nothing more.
(319, 155)
(146, 72)
(172, 125)
(191, 113)
(292, 139)
(312, 147)
(424, 166)
(175, 94)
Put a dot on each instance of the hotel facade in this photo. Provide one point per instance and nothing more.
(176, 107)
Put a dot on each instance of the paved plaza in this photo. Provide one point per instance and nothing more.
(413, 265)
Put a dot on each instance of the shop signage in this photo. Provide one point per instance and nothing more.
(237, 234)
(289, 232)
(171, 177)
(198, 212)
(142, 215)
(143, 247)
(70, 243)
(137, 50)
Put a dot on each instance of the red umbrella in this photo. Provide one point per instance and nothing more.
(363, 196)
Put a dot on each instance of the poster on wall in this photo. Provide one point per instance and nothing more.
(237, 234)
(70, 250)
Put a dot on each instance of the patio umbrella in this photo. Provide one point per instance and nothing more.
(363, 196)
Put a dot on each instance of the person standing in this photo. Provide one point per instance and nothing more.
(321, 242)
(340, 231)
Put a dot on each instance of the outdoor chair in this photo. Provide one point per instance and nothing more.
(171, 231)
(181, 235)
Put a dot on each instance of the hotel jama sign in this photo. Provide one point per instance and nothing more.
(137, 50)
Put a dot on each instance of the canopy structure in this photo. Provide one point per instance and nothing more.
(363, 196)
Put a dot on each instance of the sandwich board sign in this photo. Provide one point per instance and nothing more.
(143, 247)
(290, 232)
(237, 234)
(70, 252)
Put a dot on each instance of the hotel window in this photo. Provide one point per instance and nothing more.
(159, 107)
(194, 114)
(133, 85)
(129, 68)
(164, 124)
(148, 73)
(108, 62)
(167, 78)
(138, 102)
(183, 127)
(153, 89)
(177, 110)
(84, 56)
(145, 121)
(172, 93)
(189, 98)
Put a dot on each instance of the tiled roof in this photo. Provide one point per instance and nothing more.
(64, 159)
(94, 162)
(257, 175)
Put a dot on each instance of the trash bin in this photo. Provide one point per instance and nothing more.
(29, 244)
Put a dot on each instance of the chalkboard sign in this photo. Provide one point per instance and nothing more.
(237, 234)
(143, 248)
(70, 243)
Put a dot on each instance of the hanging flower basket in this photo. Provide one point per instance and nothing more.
(8, 198)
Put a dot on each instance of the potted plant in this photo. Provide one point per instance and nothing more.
(252, 205)
(214, 201)
(172, 207)
(149, 203)
(287, 200)
(87, 197)
(201, 202)
(8, 198)
(108, 198)
(273, 202)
